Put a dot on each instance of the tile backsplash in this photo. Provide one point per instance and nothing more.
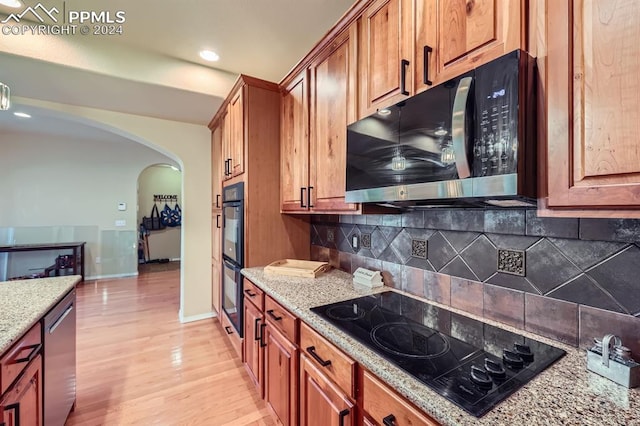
(560, 277)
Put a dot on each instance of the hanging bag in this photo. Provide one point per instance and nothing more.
(171, 217)
(154, 222)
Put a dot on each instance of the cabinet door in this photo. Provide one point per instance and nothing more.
(281, 376)
(294, 167)
(253, 353)
(472, 32)
(22, 404)
(333, 106)
(216, 287)
(593, 155)
(321, 402)
(236, 144)
(217, 167)
(225, 124)
(386, 49)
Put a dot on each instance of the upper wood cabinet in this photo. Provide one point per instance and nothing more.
(234, 154)
(386, 54)
(593, 155)
(317, 105)
(294, 145)
(406, 46)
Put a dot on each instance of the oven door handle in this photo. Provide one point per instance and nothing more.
(458, 127)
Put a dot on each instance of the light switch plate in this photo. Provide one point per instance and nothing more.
(122, 206)
(121, 222)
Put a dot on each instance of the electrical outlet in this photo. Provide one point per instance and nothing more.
(98, 260)
(354, 241)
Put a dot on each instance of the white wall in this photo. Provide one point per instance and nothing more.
(190, 146)
(60, 189)
(160, 180)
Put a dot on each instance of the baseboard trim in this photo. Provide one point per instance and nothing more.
(174, 259)
(198, 317)
(110, 276)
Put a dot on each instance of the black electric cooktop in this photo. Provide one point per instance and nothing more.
(471, 363)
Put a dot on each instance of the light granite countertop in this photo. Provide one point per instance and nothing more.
(24, 302)
(564, 394)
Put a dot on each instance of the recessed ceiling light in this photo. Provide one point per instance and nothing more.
(22, 114)
(209, 55)
(11, 3)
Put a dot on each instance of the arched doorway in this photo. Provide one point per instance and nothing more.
(160, 190)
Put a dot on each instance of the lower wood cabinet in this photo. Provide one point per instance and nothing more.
(252, 348)
(385, 406)
(281, 375)
(232, 334)
(22, 403)
(322, 403)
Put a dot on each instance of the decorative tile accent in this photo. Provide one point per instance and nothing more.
(552, 318)
(365, 241)
(618, 275)
(511, 262)
(504, 305)
(547, 267)
(331, 237)
(401, 246)
(440, 251)
(419, 249)
(585, 254)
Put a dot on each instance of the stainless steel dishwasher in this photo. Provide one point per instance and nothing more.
(60, 361)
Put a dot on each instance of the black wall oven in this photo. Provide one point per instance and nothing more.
(233, 253)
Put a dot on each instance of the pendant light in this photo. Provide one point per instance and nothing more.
(398, 162)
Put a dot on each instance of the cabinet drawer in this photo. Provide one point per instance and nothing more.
(231, 333)
(253, 293)
(341, 368)
(16, 359)
(281, 319)
(381, 403)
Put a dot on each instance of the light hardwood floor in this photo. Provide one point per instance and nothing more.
(138, 365)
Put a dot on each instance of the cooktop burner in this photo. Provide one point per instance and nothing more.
(473, 364)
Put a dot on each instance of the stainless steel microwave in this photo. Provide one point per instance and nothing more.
(469, 139)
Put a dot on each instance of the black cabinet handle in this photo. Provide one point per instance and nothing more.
(262, 327)
(389, 420)
(309, 197)
(248, 293)
(228, 330)
(256, 328)
(218, 221)
(218, 201)
(403, 76)
(302, 192)
(312, 351)
(341, 415)
(35, 349)
(274, 316)
(226, 168)
(425, 69)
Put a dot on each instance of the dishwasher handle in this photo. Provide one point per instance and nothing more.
(59, 320)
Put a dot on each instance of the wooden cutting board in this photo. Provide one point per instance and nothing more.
(297, 268)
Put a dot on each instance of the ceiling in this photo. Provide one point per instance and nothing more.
(261, 38)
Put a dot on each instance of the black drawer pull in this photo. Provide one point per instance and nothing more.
(312, 351)
(309, 197)
(228, 330)
(256, 329)
(249, 293)
(403, 76)
(35, 349)
(262, 327)
(390, 420)
(344, 413)
(425, 70)
(302, 193)
(218, 200)
(218, 221)
(274, 316)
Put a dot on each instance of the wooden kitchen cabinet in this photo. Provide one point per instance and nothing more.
(254, 324)
(281, 375)
(294, 145)
(22, 403)
(592, 109)
(385, 51)
(381, 403)
(233, 150)
(217, 170)
(322, 403)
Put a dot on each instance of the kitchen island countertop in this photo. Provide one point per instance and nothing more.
(24, 302)
(564, 394)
